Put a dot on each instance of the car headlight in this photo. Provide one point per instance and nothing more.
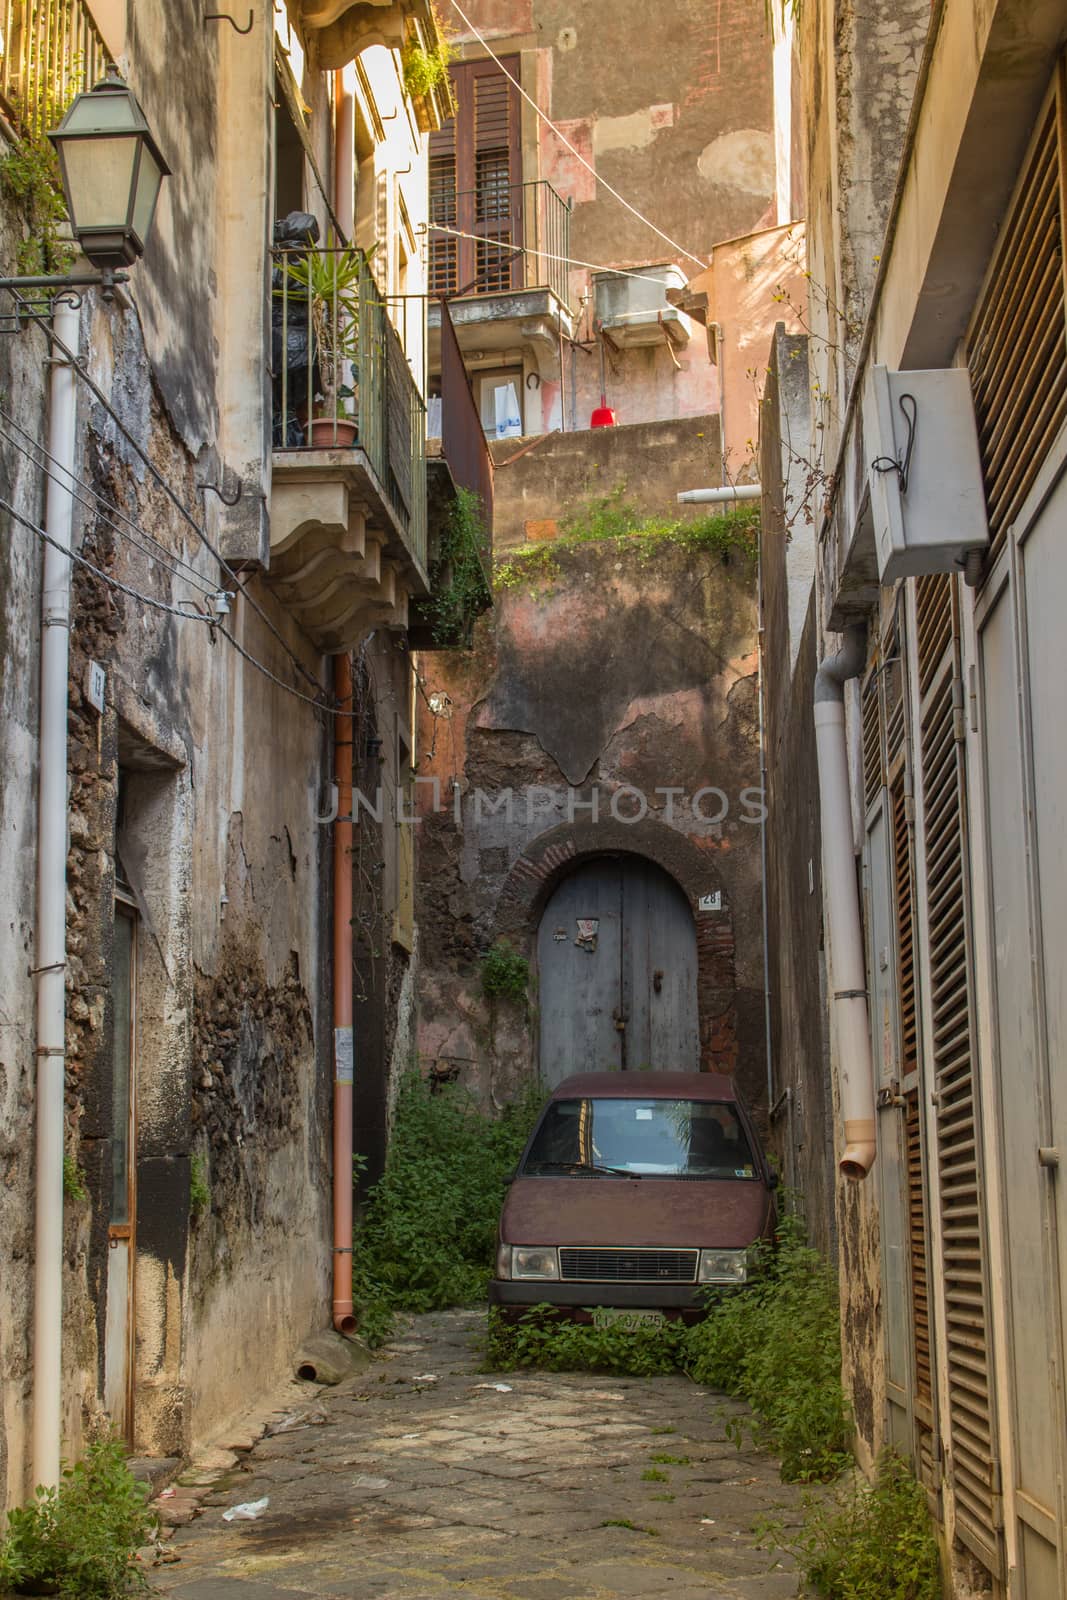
(534, 1261)
(723, 1266)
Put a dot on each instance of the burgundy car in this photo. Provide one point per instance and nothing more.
(636, 1192)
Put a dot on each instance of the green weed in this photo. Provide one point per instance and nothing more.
(79, 1539)
(505, 973)
(459, 582)
(427, 1236)
(670, 1461)
(199, 1188)
(543, 1340)
(654, 1475)
(73, 1180)
(873, 1542)
(634, 1527)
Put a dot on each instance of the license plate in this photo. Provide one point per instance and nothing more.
(628, 1321)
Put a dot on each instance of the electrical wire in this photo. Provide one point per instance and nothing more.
(562, 137)
(527, 250)
(26, 307)
(104, 512)
(98, 572)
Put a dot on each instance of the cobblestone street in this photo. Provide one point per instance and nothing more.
(430, 1478)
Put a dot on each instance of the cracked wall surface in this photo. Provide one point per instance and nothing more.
(618, 670)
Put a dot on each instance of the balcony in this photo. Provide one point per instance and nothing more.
(49, 50)
(348, 498)
(341, 29)
(498, 253)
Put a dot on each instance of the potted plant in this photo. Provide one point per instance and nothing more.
(327, 282)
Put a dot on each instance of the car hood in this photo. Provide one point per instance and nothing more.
(665, 1212)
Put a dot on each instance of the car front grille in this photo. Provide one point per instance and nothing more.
(628, 1266)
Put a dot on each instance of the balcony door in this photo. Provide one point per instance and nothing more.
(476, 185)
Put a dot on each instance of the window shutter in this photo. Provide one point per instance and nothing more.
(973, 1469)
(1017, 346)
(475, 184)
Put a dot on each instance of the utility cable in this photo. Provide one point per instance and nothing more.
(26, 308)
(531, 250)
(104, 512)
(562, 137)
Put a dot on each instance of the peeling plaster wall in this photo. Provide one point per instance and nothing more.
(215, 826)
(616, 672)
(673, 108)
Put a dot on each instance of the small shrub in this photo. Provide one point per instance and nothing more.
(872, 1543)
(777, 1344)
(81, 1537)
(459, 584)
(199, 1188)
(505, 973)
(73, 1180)
(427, 1237)
(543, 1340)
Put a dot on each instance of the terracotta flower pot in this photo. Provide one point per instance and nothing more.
(332, 433)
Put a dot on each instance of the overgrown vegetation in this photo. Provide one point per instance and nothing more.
(427, 1237)
(459, 585)
(29, 176)
(426, 71)
(613, 518)
(79, 1540)
(199, 1188)
(73, 1180)
(505, 973)
(775, 1344)
(873, 1542)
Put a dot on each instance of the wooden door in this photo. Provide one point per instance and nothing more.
(617, 972)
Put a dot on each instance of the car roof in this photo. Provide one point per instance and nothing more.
(648, 1086)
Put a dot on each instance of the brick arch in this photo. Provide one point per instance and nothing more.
(555, 853)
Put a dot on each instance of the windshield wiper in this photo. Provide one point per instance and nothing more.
(583, 1166)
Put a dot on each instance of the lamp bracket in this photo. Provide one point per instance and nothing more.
(35, 296)
(224, 16)
(227, 500)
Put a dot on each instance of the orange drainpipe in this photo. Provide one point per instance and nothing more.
(343, 1318)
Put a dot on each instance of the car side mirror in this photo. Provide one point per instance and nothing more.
(773, 1180)
(509, 1178)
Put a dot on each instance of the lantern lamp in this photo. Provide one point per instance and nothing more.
(112, 170)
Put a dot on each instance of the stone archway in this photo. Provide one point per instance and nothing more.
(553, 854)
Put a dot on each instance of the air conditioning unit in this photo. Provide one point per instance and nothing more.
(636, 311)
(924, 471)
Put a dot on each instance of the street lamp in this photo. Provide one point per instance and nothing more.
(112, 170)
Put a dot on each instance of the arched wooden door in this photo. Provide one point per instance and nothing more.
(617, 962)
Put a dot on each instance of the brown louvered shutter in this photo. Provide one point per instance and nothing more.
(475, 184)
(973, 1469)
(1017, 345)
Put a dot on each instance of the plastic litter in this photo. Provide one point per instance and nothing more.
(307, 1417)
(425, 1377)
(501, 1388)
(167, 1494)
(247, 1511)
(363, 1482)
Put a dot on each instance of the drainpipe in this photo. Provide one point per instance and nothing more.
(343, 1318)
(51, 964)
(848, 978)
(718, 497)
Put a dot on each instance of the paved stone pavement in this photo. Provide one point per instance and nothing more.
(427, 1481)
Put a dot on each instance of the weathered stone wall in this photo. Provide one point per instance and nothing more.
(607, 670)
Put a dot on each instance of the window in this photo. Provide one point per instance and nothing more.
(476, 185)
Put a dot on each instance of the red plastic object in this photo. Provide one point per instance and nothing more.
(603, 417)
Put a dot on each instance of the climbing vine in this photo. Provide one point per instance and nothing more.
(458, 579)
(29, 176)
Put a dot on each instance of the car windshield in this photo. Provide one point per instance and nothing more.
(640, 1138)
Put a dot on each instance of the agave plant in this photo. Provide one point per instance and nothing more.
(327, 282)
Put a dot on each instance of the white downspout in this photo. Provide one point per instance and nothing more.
(848, 976)
(718, 497)
(51, 909)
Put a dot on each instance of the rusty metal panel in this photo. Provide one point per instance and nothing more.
(463, 441)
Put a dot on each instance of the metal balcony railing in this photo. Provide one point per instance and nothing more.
(341, 378)
(499, 237)
(49, 50)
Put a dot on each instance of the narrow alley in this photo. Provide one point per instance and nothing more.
(431, 1478)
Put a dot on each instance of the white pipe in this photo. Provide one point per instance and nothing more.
(848, 977)
(51, 911)
(717, 497)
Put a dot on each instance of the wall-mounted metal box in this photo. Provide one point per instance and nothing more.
(636, 311)
(924, 471)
